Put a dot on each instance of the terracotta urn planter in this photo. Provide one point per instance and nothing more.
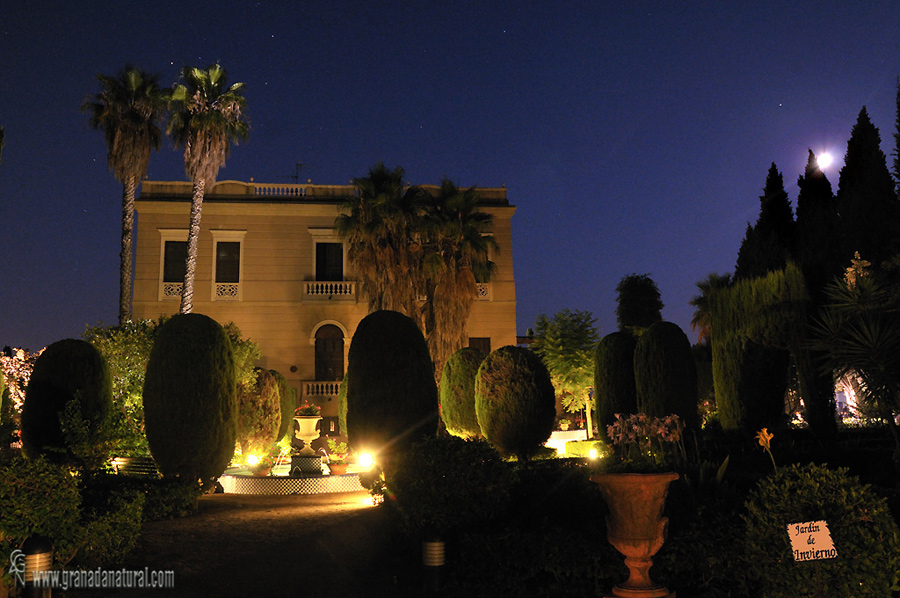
(636, 526)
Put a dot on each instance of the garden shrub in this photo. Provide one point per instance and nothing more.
(68, 370)
(515, 401)
(665, 375)
(38, 497)
(446, 483)
(288, 398)
(111, 526)
(864, 534)
(458, 393)
(190, 405)
(391, 395)
(614, 389)
(342, 406)
(126, 348)
(259, 413)
(582, 448)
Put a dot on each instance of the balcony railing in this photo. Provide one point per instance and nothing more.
(326, 289)
(316, 390)
(483, 291)
(171, 290)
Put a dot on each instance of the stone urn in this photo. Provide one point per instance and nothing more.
(305, 430)
(636, 526)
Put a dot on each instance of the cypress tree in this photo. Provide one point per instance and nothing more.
(665, 375)
(392, 398)
(458, 393)
(766, 246)
(515, 401)
(817, 247)
(190, 400)
(67, 370)
(866, 199)
(614, 388)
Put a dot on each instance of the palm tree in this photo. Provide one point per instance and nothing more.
(457, 250)
(380, 224)
(207, 116)
(702, 319)
(129, 110)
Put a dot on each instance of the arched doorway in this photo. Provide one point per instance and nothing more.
(329, 353)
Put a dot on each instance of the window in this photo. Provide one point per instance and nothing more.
(174, 261)
(483, 344)
(172, 256)
(329, 261)
(227, 268)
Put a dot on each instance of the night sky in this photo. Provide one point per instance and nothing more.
(633, 136)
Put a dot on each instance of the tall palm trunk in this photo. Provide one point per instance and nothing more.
(190, 266)
(125, 267)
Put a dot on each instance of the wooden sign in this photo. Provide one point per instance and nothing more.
(811, 540)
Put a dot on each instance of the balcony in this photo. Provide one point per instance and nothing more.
(330, 290)
(317, 391)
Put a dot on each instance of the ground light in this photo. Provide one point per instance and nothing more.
(366, 460)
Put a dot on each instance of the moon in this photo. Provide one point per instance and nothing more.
(824, 160)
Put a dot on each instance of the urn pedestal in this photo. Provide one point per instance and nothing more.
(636, 526)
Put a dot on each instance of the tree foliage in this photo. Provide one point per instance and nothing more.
(457, 246)
(457, 393)
(638, 303)
(701, 320)
(288, 399)
(665, 374)
(566, 344)
(866, 201)
(207, 117)
(614, 378)
(515, 401)
(68, 372)
(750, 319)
(129, 109)
(767, 245)
(259, 413)
(190, 403)
(392, 399)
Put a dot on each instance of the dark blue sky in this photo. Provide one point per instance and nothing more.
(633, 136)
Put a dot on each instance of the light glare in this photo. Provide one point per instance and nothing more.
(824, 160)
(366, 460)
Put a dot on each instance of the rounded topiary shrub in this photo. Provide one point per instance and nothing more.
(259, 413)
(614, 378)
(665, 375)
(458, 393)
(446, 483)
(863, 532)
(515, 401)
(288, 397)
(68, 370)
(190, 405)
(391, 394)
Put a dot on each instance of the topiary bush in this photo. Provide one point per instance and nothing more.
(515, 401)
(342, 406)
(458, 393)
(68, 370)
(446, 483)
(259, 413)
(864, 534)
(391, 394)
(665, 375)
(614, 378)
(288, 397)
(190, 405)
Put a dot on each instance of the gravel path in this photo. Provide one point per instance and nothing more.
(334, 545)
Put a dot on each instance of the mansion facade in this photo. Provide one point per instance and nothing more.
(270, 260)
